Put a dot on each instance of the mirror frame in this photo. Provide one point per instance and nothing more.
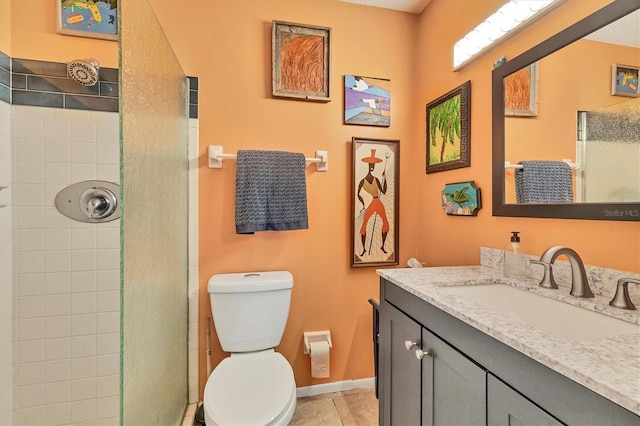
(599, 211)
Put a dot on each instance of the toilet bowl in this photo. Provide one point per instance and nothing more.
(255, 384)
(255, 388)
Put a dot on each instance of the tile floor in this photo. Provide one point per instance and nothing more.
(357, 407)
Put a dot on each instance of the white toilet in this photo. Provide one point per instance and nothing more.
(255, 385)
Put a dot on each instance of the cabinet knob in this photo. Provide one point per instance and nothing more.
(420, 353)
(410, 345)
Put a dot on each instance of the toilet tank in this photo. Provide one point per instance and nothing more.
(250, 309)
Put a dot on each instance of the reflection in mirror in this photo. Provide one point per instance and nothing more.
(564, 112)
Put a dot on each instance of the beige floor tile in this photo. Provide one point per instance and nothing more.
(357, 409)
(313, 411)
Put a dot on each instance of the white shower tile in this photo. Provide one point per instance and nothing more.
(107, 407)
(57, 370)
(83, 389)
(57, 304)
(108, 238)
(56, 129)
(57, 151)
(108, 386)
(107, 301)
(108, 365)
(83, 281)
(59, 326)
(108, 322)
(54, 219)
(108, 343)
(57, 414)
(57, 283)
(51, 192)
(108, 172)
(30, 307)
(83, 346)
(30, 329)
(30, 374)
(83, 171)
(30, 396)
(83, 410)
(24, 127)
(107, 153)
(30, 285)
(57, 392)
(83, 260)
(83, 152)
(30, 351)
(30, 416)
(57, 173)
(58, 349)
(57, 239)
(29, 150)
(71, 114)
(83, 303)
(30, 262)
(83, 238)
(30, 172)
(83, 324)
(104, 116)
(83, 368)
(83, 131)
(30, 195)
(108, 259)
(29, 217)
(57, 261)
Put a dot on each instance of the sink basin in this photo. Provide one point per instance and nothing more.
(550, 316)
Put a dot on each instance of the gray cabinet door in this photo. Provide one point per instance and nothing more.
(453, 387)
(507, 407)
(400, 379)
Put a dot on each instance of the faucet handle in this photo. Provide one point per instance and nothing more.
(621, 299)
(547, 278)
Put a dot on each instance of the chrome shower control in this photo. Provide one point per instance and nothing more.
(90, 201)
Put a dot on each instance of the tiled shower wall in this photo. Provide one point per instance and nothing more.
(59, 279)
(67, 273)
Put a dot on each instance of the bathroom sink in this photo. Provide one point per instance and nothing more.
(548, 315)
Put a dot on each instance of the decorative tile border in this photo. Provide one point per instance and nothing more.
(42, 83)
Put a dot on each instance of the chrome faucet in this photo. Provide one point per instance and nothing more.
(621, 299)
(579, 283)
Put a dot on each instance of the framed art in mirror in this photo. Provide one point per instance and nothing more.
(300, 60)
(374, 202)
(521, 92)
(88, 18)
(624, 80)
(448, 123)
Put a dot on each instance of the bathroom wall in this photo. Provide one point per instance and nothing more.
(232, 58)
(603, 243)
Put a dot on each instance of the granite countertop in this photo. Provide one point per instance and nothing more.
(609, 366)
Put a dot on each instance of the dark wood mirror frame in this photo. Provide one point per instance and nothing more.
(600, 211)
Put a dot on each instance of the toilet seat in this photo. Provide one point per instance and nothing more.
(250, 389)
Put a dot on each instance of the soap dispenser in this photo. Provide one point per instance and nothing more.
(515, 263)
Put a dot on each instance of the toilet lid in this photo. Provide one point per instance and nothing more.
(249, 389)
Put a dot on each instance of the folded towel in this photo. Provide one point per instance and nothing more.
(544, 182)
(271, 191)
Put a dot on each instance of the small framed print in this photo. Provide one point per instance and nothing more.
(88, 18)
(300, 60)
(624, 81)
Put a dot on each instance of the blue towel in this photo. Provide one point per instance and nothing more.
(271, 191)
(544, 182)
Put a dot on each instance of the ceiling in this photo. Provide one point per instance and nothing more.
(413, 6)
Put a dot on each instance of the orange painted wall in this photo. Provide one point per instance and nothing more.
(33, 36)
(227, 44)
(5, 27)
(444, 240)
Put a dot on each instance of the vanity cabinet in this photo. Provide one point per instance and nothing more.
(437, 370)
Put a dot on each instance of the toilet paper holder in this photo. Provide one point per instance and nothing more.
(316, 336)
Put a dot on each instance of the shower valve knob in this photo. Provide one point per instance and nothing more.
(96, 206)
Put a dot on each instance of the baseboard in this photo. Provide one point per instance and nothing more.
(335, 387)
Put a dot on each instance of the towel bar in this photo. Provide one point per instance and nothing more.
(216, 155)
(508, 165)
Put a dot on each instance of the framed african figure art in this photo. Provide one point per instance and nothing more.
(374, 206)
(300, 60)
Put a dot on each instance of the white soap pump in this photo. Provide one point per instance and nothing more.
(515, 264)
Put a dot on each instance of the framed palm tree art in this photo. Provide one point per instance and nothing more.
(448, 136)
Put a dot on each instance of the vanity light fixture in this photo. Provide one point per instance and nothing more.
(504, 23)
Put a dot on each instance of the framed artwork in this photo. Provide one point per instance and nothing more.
(374, 206)
(88, 18)
(521, 92)
(300, 60)
(448, 136)
(624, 81)
(367, 101)
(461, 199)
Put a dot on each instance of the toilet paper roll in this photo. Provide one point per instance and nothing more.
(319, 359)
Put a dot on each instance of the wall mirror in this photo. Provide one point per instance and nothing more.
(572, 111)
